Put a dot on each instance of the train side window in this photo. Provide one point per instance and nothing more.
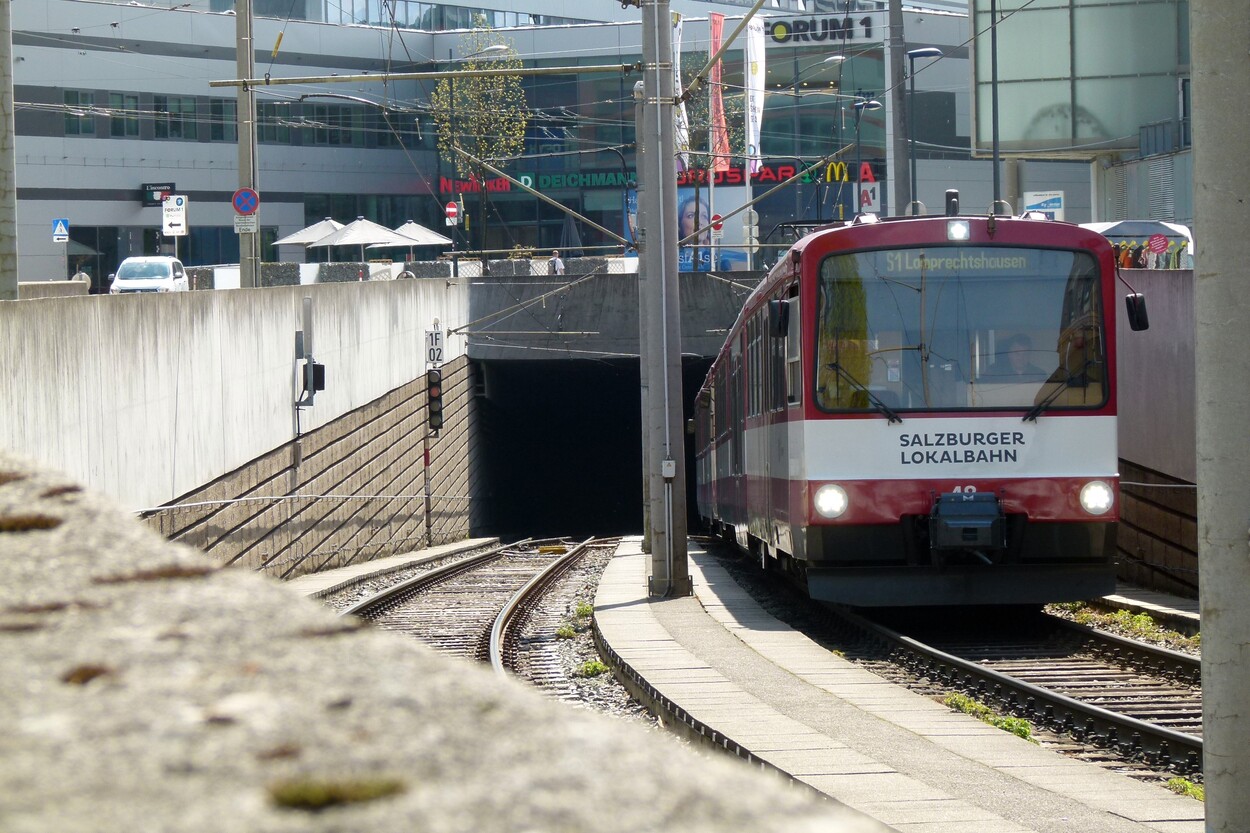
(794, 355)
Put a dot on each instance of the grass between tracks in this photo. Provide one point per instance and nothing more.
(1183, 786)
(1018, 726)
(1140, 626)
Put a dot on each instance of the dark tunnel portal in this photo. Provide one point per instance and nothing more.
(562, 446)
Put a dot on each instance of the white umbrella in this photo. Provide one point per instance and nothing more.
(418, 235)
(1141, 230)
(361, 232)
(311, 234)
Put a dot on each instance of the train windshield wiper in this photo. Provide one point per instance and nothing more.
(1033, 413)
(872, 397)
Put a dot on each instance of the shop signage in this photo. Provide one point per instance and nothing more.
(154, 193)
(768, 174)
(818, 29)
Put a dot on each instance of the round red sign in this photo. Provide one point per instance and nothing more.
(452, 210)
(716, 223)
(1157, 243)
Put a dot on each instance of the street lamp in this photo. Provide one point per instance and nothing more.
(861, 104)
(793, 83)
(912, 55)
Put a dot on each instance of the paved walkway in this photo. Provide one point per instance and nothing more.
(879, 749)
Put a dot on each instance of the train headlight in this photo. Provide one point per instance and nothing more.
(831, 501)
(1097, 497)
(958, 230)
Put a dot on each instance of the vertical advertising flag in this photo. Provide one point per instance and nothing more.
(754, 72)
(719, 144)
(681, 125)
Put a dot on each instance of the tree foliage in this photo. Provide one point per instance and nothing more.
(483, 116)
(699, 112)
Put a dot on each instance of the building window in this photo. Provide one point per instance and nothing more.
(78, 118)
(223, 120)
(124, 118)
(333, 124)
(397, 129)
(1186, 114)
(174, 117)
(273, 123)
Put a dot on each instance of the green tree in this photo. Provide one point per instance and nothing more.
(486, 117)
(699, 111)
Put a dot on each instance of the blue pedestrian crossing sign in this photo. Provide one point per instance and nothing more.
(60, 230)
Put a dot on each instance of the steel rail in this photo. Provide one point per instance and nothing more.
(1159, 745)
(434, 576)
(509, 615)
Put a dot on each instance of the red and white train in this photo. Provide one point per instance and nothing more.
(922, 411)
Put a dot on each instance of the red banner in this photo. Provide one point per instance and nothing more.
(719, 134)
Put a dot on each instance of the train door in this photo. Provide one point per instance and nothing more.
(758, 523)
(737, 423)
(772, 399)
(787, 386)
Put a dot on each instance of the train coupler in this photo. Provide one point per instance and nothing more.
(967, 521)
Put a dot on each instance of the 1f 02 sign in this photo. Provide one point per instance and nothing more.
(433, 348)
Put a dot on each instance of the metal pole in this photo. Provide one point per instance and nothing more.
(455, 163)
(644, 304)
(670, 574)
(1218, 33)
(859, 164)
(994, 99)
(899, 118)
(8, 162)
(911, 131)
(245, 61)
(912, 55)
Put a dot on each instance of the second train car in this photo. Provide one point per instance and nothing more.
(922, 411)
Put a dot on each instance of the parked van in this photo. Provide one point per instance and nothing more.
(154, 273)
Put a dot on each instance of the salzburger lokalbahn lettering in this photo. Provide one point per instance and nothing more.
(949, 439)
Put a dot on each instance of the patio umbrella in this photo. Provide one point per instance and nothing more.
(418, 235)
(1140, 231)
(311, 234)
(361, 232)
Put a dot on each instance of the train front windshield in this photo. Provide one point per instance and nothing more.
(960, 327)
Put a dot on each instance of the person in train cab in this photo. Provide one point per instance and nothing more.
(1016, 358)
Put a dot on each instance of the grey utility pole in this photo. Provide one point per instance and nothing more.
(643, 295)
(657, 202)
(245, 63)
(8, 161)
(1219, 32)
(902, 130)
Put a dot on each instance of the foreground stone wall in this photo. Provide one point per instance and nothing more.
(143, 688)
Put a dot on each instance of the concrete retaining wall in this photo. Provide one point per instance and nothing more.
(350, 491)
(146, 398)
(29, 290)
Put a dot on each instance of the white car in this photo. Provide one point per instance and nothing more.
(155, 273)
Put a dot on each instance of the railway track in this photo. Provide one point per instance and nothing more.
(1138, 705)
(1142, 702)
(475, 606)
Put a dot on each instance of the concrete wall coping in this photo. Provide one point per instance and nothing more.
(144, 688)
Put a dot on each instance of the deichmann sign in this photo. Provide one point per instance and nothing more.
(831, 172)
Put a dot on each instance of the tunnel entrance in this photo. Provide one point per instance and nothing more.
(561, 446)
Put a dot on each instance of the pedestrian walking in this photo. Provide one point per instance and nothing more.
(556, 266)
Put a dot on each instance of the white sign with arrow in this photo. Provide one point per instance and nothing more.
(174, 215)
